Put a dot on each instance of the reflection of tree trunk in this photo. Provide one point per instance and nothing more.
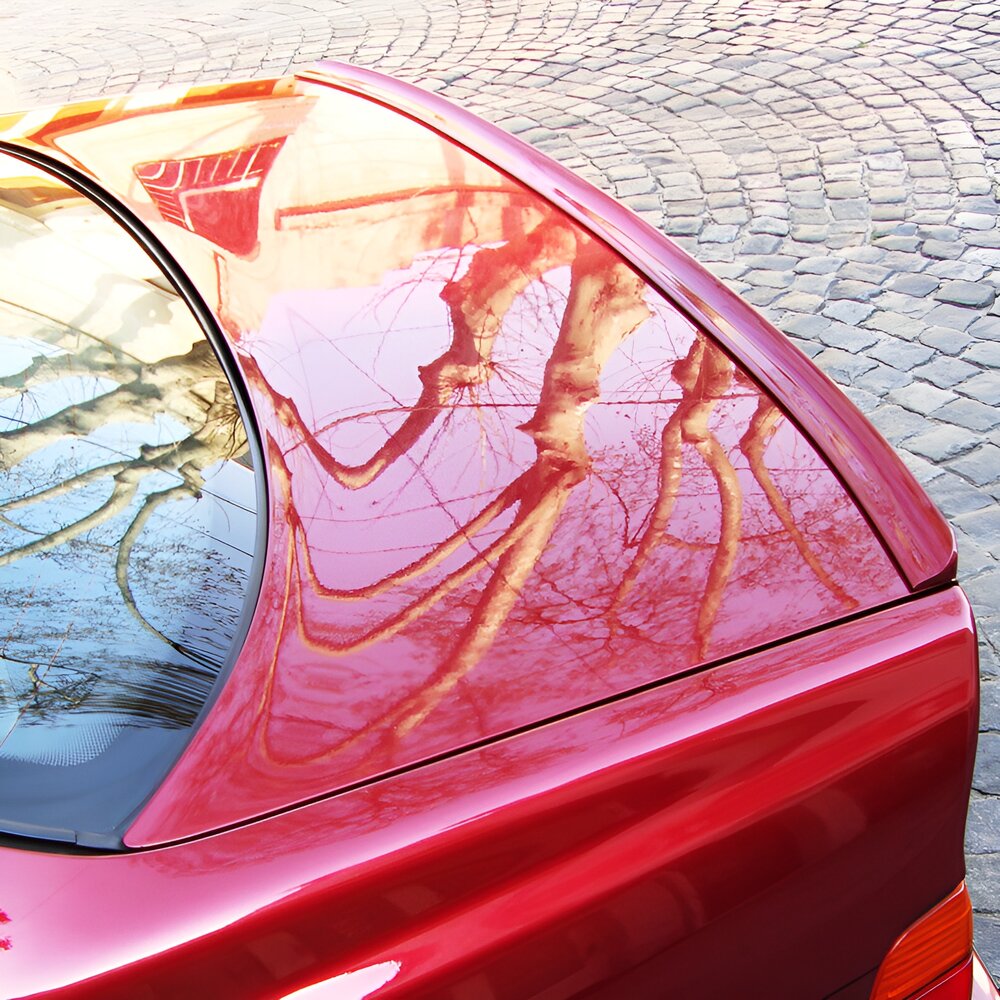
(91, 362)
(477, 304)
(604, 306)
(177, 384)
(704, 375)
(753, 444)
(121, 496)
(187, 387)
(731, 502)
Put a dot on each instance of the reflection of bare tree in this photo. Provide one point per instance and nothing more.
(753, 444)
(189, 388)
(477, 304)
(604, 305)
(703, 376)
(117, 408)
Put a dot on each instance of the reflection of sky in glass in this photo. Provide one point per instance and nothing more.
(126, 532)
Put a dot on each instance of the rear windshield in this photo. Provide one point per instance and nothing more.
(127, 516)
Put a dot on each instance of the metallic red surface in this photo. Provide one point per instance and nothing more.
(956, 985)
(542, 486)
(983, 987)
(508, 479)
(807, 802)
(918, 536)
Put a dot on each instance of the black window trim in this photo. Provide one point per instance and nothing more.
(44, 838)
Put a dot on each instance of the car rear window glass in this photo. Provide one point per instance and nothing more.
(127, 515)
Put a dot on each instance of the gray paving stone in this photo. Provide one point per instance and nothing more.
(966, 293)
(881, 379)
(973, 559)
(983, 526)
(989, 706)
(898, 260)
(815, 284)
(871, 273)
(846, 336)
(848, 311)
(901, 354)
(986, 777)
(981, 466)
(966, 271)
(922, 397)
(761, 245)
(946, 372)
(944, 340)
(949, 315)
(975, 220)
(954, 496)
(941, 443)
(970, 413)
(908, 244)
(984, 387)
(809, 233)
(819, 265)
(896, 423)
(841, 365)
(984, 353)
(987, 936)
(943, 249)
(858, 290)
(913, 284)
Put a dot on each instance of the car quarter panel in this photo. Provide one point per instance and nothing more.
(809, 793)
(508, 478)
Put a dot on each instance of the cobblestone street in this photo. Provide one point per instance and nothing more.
(834, 161)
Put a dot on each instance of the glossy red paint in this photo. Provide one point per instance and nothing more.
(508, 479)
(916, 534)
(954, 985)
(983, 987)
(596, 600)
(919, 538)
(799, 797)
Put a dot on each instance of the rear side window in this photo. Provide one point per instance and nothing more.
(127, 516)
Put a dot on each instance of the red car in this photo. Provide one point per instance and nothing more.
(423, 580)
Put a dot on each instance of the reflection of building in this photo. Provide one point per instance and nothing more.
(35, 196)
(216, 195)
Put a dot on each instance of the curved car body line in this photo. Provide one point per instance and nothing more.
(385, 636)
(798, 796)
(147, 241)
(803, 801)
(915, 534)
(983, 987)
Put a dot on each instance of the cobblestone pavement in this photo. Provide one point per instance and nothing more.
(835, 161)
